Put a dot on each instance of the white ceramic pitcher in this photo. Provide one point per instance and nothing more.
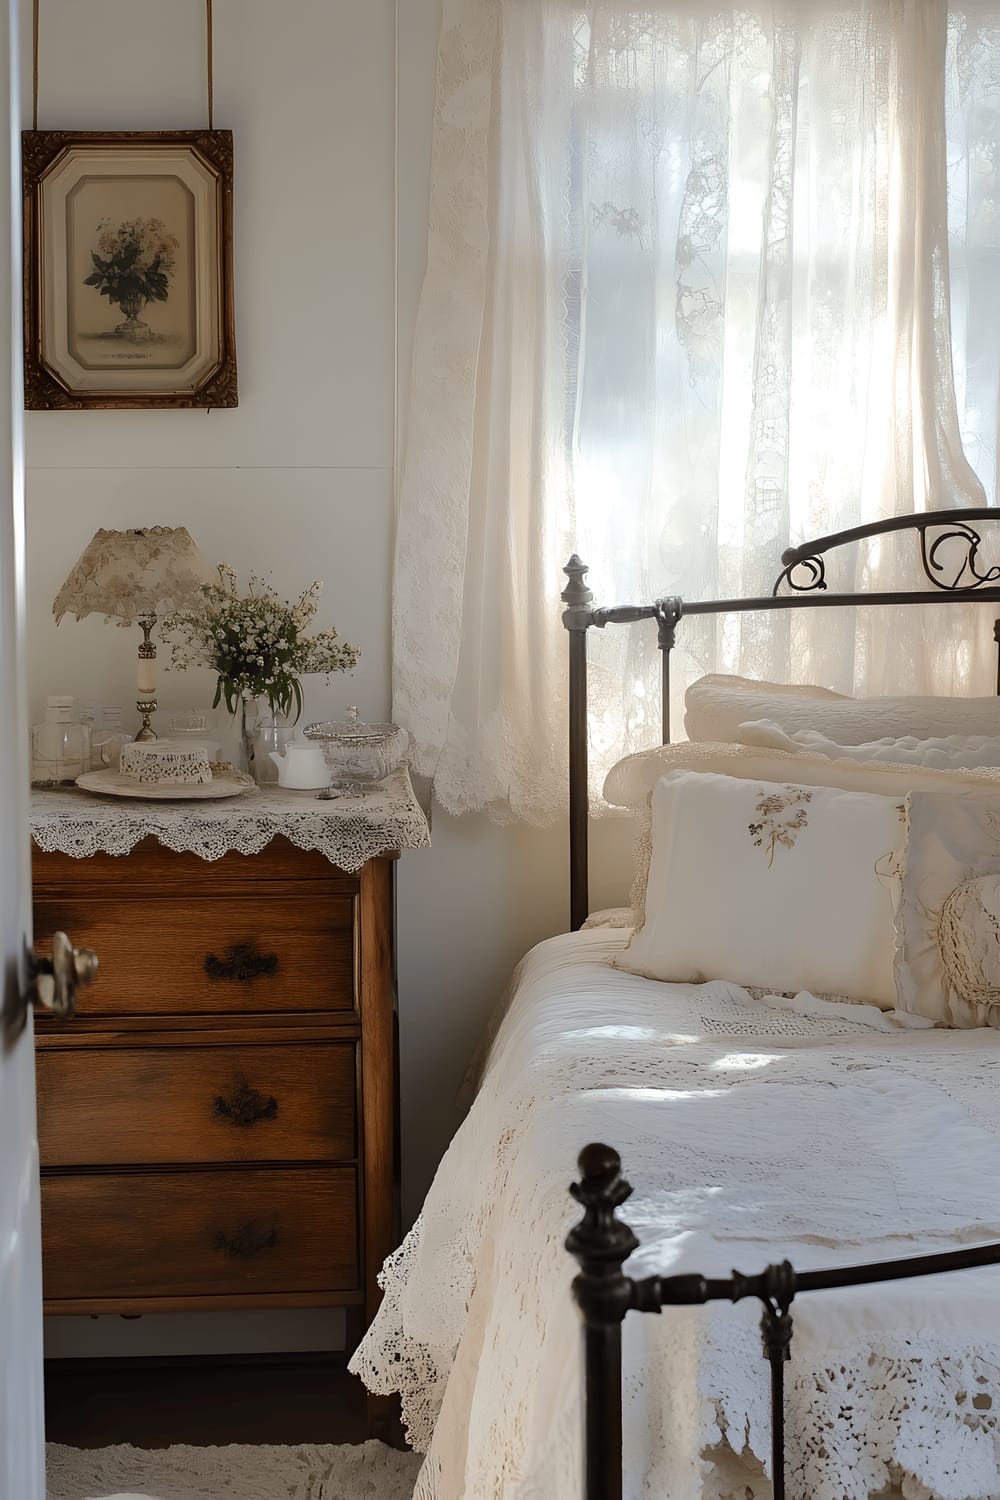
(301, 766)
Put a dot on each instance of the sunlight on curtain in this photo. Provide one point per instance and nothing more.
(688, 299)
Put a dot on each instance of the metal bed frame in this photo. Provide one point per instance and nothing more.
(601, 1242)
(803, 573)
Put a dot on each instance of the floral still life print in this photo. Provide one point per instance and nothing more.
(774, 829)
(128, 243)
(134, 264)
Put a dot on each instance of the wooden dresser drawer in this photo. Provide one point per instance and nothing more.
(144, 1106)
(217, 1126)
(215, 954)
(194, 1234)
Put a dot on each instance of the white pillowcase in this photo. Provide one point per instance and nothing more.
(944, 753)
(630, 782)
(785, 887)
(716, 706)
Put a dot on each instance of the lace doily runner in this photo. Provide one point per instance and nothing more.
(348, 831)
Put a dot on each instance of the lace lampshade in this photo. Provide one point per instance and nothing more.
(130, 576)
(125, 574)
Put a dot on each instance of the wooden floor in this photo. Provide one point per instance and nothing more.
(152, 1403)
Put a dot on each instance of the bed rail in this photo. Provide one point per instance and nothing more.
(949, 555)
(602, 1242)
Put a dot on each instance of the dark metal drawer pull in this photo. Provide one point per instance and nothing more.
(246, 1242)
(245, 1106)
(242, 963)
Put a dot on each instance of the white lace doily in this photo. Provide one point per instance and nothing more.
(349, 832)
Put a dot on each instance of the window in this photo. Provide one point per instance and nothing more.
(730, 282)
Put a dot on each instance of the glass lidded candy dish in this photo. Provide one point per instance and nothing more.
(358, 754)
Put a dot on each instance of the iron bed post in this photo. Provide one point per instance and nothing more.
(668, 613)
(996, 637)
(776, 1337)
(601, 1243)
(577, 618)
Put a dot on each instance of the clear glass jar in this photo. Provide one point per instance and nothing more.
(359, 754)
(270, 737)
(106, 748)
(107, 736)
(60, 752)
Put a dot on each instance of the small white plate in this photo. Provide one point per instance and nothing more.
(228, 783)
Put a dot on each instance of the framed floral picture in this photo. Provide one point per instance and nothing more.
(128, 286)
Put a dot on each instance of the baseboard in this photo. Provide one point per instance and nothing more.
(335, 1359)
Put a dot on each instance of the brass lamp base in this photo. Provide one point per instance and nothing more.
(146, 706)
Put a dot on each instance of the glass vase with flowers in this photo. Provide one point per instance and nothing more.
(259, 646)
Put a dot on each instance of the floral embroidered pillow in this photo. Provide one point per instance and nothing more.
(948, 923)
(776, 886)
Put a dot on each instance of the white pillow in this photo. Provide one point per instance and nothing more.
(944, 753)
(777, 886)
(948, 921)
(630, 781)
(716, 706)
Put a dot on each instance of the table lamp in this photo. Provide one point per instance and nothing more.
(129, 576)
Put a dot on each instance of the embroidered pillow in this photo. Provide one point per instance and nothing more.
(948, 922)
(779, 886)
(716, 706)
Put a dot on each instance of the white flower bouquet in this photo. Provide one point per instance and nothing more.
(256, 643)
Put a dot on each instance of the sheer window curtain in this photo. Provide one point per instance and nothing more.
(701, 280)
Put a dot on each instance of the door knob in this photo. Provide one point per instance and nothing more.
(52, 983)
(57, 979)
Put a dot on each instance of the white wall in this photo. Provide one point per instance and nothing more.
(300, 477)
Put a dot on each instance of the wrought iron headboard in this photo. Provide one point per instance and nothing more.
(803, 572)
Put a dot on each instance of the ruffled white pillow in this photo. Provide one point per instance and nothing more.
(630, 781)
(716, 706)
(961, 752)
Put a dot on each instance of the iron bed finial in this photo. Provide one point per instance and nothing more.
(576, 595)
(600, 1242)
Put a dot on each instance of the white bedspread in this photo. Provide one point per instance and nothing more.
(751, 1129)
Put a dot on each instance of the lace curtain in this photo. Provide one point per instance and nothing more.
(702, 280)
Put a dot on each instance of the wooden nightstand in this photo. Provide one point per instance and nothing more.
(217, 1125)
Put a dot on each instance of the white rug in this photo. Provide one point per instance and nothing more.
(367, 1471)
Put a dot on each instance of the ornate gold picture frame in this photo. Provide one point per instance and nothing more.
(128, 260)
